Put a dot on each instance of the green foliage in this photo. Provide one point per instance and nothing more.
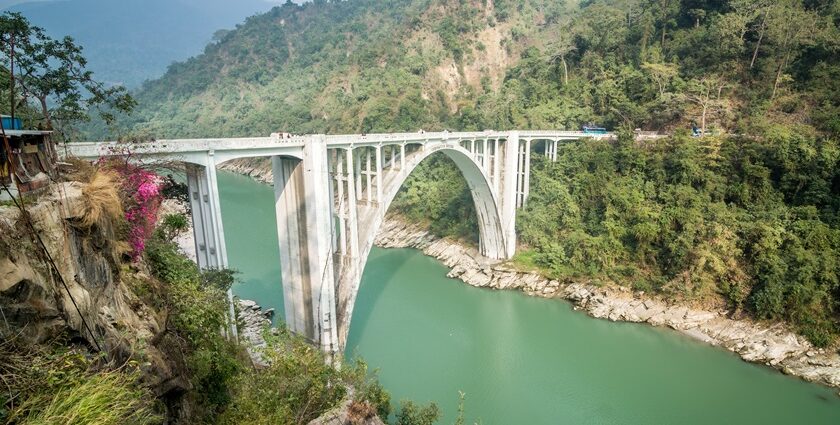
(52, 74)
(197, 304)
(56, 386)
(751, 222)
(173, 225)
(296, 387)
(411, 413)
(377, 65)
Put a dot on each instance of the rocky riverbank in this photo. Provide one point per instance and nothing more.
(258, 169)
(772, 344)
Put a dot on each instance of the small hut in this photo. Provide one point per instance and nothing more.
(27, 159)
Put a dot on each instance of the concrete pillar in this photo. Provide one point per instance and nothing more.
(369, 177)
(357, 172)
(402, 157)
(304, 228)
(378, 174)
(497, 169)
(508, 193)
(208, 230)
(352, 210)
(392, 156)
(340, 181)
(485, 160)
(205, 240)
(526, 189)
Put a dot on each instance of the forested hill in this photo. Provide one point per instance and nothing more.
(370, 65)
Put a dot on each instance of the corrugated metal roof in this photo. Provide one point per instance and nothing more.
(18, 133)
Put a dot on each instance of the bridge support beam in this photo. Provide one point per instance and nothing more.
(208, 231)
(305, 232)
(510, 185)
(205, 230)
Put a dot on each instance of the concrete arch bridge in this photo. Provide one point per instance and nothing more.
(332, 193)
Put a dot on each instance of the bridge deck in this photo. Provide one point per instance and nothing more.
(186, 146)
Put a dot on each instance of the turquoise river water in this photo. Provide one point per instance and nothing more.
(520, 360)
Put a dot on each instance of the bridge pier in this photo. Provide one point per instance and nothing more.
(208, 231)
(509, 192)
(305, 233)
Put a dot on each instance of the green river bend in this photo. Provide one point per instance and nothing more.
(518, 359)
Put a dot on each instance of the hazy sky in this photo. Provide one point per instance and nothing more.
(6, 3)
(127, 42)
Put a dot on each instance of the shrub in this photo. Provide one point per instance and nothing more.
(296, 387)
(141, 198)
(411, 413)
(174, 225)
(197, 304)
(55, 386)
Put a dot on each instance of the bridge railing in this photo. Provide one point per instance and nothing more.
(182, 146)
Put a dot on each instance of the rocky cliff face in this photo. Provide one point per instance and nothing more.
(36, 306)
(258, 169)
(771, 344)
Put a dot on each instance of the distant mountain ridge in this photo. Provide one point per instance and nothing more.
(129, 41)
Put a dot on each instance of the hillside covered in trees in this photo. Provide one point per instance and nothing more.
(747, 216)
(371, 65)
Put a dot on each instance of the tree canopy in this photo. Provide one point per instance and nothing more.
(51, 73)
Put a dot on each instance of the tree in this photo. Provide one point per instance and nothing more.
(748, 11)
(53, 74)
(793, 28)
(562, 48)
(706, 94)
(667, 9)
(662, 74)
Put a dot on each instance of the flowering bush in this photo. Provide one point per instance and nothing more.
(140, 190)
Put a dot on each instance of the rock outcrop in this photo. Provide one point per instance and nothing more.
(252, 322)
(96, 288)
(771, 344)
(258, 169)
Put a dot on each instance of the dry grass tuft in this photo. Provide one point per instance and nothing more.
(102, 200)
(360, 411)
(78, 170)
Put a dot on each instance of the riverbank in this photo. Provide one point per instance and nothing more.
(774, 345)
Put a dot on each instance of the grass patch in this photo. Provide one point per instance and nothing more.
(59, 386)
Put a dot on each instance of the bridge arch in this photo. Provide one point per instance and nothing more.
(487, 208)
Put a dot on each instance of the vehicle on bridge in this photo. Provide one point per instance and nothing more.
(592, 129)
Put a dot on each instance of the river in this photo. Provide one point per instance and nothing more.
(519, 360)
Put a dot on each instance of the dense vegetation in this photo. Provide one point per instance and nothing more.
(756, 224)
(747, 215)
